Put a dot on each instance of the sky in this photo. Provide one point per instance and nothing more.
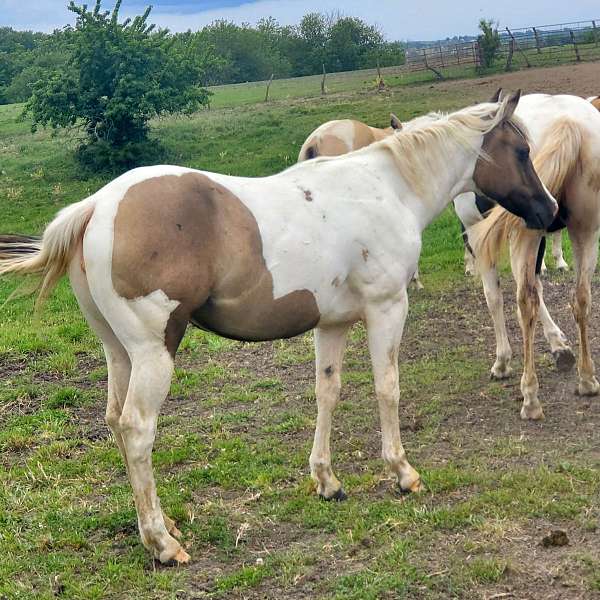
(398, 19)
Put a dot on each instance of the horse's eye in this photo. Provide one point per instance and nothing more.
(523, 154)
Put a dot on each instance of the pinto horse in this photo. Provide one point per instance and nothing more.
(324, 244)
(338, 137)
(565, 131)
(344, 135)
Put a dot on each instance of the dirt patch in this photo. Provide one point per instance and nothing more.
(581, 79)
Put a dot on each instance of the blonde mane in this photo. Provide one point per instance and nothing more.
(423, 146)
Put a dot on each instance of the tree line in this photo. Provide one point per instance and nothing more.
(238, 53)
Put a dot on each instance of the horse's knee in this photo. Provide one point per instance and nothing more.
(112, 417)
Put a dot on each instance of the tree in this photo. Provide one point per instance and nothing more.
(118, 76)
(489, 42)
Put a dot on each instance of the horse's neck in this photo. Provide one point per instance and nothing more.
(451, 173)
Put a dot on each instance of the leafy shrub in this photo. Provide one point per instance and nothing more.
(119, 76)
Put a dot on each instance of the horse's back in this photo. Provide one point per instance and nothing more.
(335, 138)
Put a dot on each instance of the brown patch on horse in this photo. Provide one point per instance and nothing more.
(596, 103)
(197, 242)
(365, 254)
(308, 195)
(331, 145)
(365, 135)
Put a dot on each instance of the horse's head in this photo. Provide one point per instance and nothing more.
(505, 172)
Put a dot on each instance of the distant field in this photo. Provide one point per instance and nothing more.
(229, 96)
(231, 455)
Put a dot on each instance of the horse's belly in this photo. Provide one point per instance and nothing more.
(258, 317)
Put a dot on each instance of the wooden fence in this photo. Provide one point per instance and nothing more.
(526, 47)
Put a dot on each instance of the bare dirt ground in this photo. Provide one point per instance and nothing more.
(580, 79)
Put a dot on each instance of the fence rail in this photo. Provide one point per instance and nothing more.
(530, 46)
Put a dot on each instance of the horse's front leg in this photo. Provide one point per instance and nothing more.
(585, 249)
(501, 368)
(385, 323)
(329, 350)
(557, 251)
(524, 252)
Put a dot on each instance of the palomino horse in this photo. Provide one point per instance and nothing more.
(335, 138)
(322, 245)
(565, 130)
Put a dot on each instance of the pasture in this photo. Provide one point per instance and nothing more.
(231, 457)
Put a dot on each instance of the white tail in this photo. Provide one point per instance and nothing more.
(49, 256)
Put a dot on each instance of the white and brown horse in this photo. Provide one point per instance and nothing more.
(565, 133)
(322, 245)
(341, 136)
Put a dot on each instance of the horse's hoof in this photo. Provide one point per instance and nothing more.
(181, 557)
(415, 488)
(564, 359)
(588, 388)
(338, 496)
(563, 267)
(534, 413)
(498, 373)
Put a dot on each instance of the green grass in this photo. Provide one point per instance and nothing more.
(231, 455)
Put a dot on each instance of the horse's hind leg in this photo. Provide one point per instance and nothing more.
(384, 328)
(329, 349)
(585, 249)
(118, 363)
(561, 351)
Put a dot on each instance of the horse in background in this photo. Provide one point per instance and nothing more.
(322, 245)
(341, 136)
(565, 133)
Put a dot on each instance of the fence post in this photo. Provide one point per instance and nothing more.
(458, 54)
(428, 66)
(511, 50)
(512, 37)
(441, 55)
(537, 40)
(323, 88)
(575, 45)
(380, 81)
(269, 87)
(595, 33)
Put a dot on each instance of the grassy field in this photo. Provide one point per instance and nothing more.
(230, 96)
(232, 450)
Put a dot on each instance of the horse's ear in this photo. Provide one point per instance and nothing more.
(509, 105)
(497, 96)
(395, 122)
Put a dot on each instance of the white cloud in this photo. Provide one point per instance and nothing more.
(398, 19)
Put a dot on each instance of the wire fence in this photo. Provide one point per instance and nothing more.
(527, 47)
